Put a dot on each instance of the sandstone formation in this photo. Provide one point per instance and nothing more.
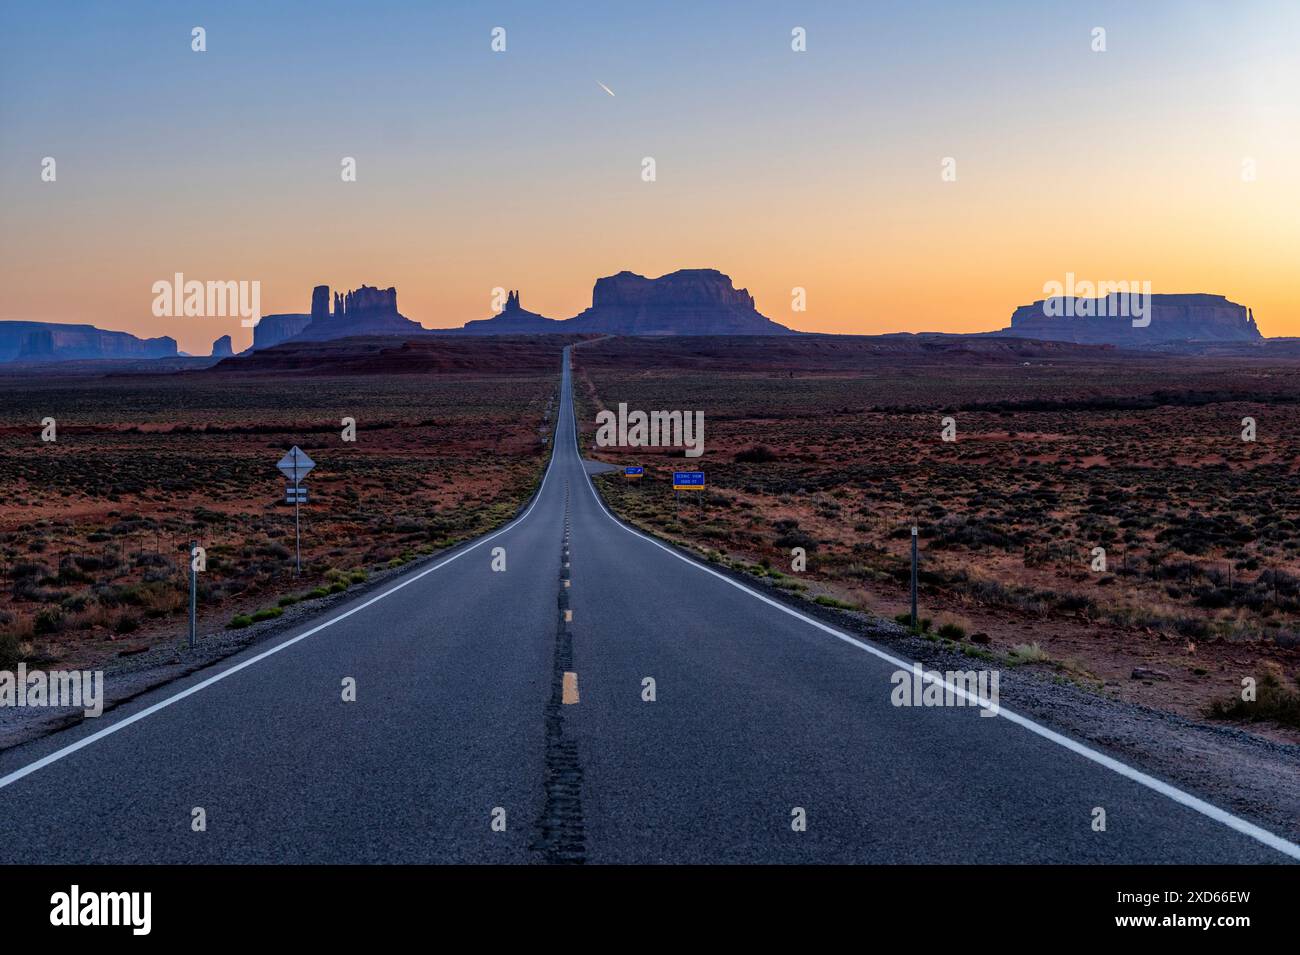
(369, 299)
(1173, 318)
(273, 329)
(363, 311)
(222, 347)
(513, 320)
(320, 302)
(53, 341)
(686, 302)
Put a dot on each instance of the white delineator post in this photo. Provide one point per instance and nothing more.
(914, 620)
(194, 594)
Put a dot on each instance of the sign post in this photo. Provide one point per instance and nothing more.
(295, 466)
(687, 481)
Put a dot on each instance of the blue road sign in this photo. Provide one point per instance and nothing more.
(688, 480)
(633, 472)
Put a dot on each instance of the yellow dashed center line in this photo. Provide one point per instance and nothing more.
(568, 616)
(570, 688)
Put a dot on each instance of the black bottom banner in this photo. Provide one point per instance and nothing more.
(335, 903)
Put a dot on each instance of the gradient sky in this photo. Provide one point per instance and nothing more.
(479, 169)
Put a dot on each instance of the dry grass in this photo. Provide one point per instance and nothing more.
(95, 529)
(1143, 458)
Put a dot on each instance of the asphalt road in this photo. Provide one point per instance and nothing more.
(476, 695)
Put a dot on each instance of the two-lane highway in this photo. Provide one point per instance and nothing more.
(480, 690)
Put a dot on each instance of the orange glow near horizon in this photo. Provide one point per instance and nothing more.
(934, 258)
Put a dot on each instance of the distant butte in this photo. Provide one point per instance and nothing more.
(514, 319)
(685, 302)
(363, 311)
(55, 341)
(1194, 317)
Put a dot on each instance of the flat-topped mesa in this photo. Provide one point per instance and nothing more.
(273, 329)
(54, 341)
(686, 302)
(1176, 317)
(685, 288)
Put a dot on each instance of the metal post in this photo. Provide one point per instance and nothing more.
(297, 536)
(915, 624)
(194, 592)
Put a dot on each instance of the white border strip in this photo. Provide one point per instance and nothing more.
(71, 748)
(1177, 795)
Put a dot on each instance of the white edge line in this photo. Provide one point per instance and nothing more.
(71, 748)
(1172, 792)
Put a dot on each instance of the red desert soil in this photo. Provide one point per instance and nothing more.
(94, 527)
(835, 447)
